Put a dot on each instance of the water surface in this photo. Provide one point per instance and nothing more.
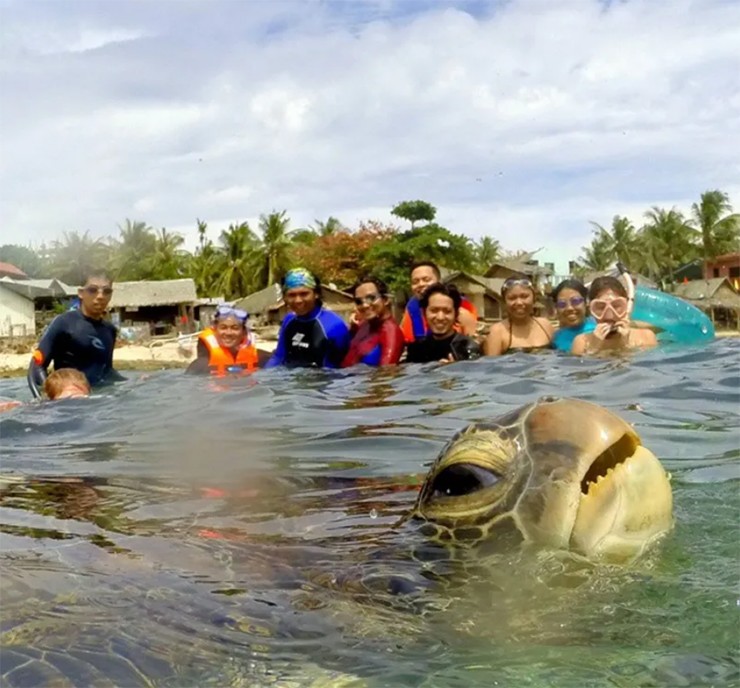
(178, 531)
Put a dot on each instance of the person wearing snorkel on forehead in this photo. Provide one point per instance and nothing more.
(81, 339)
(311, 336)
(521, 330)
(227, 347)
(610, 306)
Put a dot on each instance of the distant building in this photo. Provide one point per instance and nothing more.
(717, 296)
(46, 297)
(504, 269)
(9, 270)
(727, 265)
(17, 313)
(162, 305)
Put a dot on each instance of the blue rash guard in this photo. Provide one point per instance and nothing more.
(317, 340)
(73, 340)
(563, 339)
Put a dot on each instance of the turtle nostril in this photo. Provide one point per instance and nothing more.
(549, 398)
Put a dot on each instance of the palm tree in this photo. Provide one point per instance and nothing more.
(235, 261)
(276, 243)
(331, 226)
(487, 250)
(168, 259)
(203, 265)
(668, 241)
(76, 255)
(133, 254)
(621, 239)
(718, 234)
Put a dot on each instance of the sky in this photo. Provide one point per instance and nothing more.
(518, 119)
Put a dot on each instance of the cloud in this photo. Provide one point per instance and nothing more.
(522, 119)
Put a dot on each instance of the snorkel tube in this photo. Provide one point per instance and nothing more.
(679, 322)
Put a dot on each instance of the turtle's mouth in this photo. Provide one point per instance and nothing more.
(615, 456)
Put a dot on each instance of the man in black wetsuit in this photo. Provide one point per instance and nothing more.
(79, 339)
(440, 304)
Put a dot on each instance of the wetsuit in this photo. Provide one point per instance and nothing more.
(414, 324)
(73, 340)
(317, 340)
(461, 347)
(563, 338)
(376, 343)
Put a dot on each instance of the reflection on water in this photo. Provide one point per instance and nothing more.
(184, 532)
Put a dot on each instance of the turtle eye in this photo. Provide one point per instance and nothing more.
(462, 479)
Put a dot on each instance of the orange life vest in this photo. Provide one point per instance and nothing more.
(220, 359)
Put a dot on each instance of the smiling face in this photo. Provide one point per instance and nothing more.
(440, 315)
(421, 278)
(301, 300)
(230, 332)
(519, 302)
(571, 307)
(95, 296)
(369, 302)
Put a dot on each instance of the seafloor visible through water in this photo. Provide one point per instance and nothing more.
(176, 531)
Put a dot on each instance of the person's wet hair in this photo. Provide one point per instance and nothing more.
(100, 274)
(574, 284)
(380, 285)
(60, 379)
(426, 264)
(449, 290)
(601, 284)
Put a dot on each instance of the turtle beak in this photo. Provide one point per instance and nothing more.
(625, 503)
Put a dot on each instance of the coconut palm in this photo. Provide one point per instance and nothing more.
(133, 251)
(76, 255)
(235, 261)
(487, 250)
(667, 241)
(331, 226)
(275, 248)
(204, 265)
(169, 258)
(621, 239)
(719, 226)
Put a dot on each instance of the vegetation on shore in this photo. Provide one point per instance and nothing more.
(245, 259)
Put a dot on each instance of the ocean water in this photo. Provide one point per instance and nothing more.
(178, 531)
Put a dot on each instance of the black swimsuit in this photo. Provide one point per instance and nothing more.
(527, 349)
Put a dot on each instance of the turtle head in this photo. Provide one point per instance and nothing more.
(559, 472)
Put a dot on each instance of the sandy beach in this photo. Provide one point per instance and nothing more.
(155, 356)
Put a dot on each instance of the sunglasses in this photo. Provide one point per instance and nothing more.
(517, 282)
(93, 291)
(229, 311)
(369, 300)
(573, 302)
(600, 307)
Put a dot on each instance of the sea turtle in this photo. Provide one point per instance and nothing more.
(557, 473)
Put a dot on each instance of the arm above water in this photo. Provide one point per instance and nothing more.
(494, 344)
(43, 355)
(468, 322)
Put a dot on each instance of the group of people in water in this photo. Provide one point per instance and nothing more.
(438, 325)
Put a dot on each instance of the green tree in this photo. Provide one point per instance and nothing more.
(275, 247)
(24, 258)
(331, 226)
(133, 252)
(719, 226)
(486, 252)
(203, 265)
(76, 255)
(169, 260)
(667, 241)
(235, 262)
(621, 240)
(415, 211)
(394, 256)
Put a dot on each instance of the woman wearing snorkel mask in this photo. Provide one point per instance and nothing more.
(378, 340)
(573, 318)
(522, 330)
(610, 306)
(227, 347)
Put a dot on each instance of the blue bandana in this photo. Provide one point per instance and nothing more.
(300, 277)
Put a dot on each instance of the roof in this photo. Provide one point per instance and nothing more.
(271, 298)
(641, 279)
(39, 288)
(712, 292)
(12, 271)
(153, 293)
(530, 269)
(490, 284)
